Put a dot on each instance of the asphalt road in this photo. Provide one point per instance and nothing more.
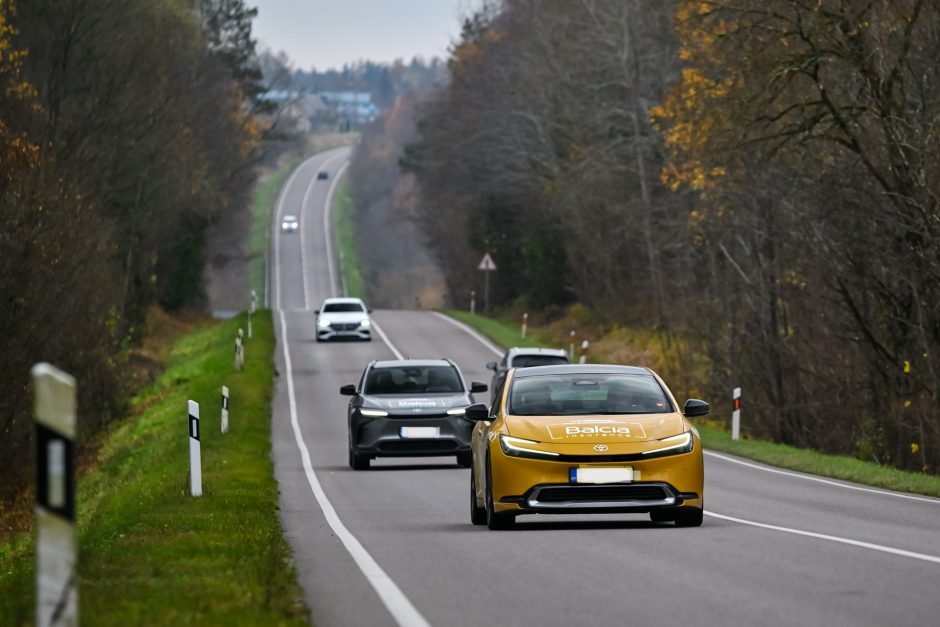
(394, 545)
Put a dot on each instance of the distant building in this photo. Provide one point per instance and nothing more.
(302, 111)
(356, 106)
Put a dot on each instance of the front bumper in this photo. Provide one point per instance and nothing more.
(527, 485)
(381, 436)
(344, 330)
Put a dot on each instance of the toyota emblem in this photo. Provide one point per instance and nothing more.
(600, 448)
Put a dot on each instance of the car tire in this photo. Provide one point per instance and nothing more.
(465, 459)
(689, 517)
(357, 461)
(497, 521)
(662, 515)
(477, 513)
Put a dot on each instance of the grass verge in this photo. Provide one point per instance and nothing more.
(148, 552)
(717, 439)
(344, 235)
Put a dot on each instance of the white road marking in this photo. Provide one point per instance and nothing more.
(471, 332)
(822, 536)
(387, 341)
(398, 605)
(326, 229)
(838, 484)
(279, 209)
(303, 212)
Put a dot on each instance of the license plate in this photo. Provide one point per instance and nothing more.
(420, 432)
(621, 474)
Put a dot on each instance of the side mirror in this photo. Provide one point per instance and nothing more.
(476, 387)
(695, 407)
(348, 390)
(316, 311)
(368, 311)
(477, 412)
(491, 366)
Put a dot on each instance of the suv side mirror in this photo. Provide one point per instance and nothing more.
(348, 390)
(476, 387)
(491, 366)
(695, 407)
(477, 412)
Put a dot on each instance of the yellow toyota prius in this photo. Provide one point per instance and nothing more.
(585, 439)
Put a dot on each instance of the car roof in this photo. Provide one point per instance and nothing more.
(555, 352)
(581, 369)
(290, 216)
(420, 363)
(330, 301)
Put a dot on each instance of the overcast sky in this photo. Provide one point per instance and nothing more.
(326, 34)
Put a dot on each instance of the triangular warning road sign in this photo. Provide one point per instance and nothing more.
(487, 264)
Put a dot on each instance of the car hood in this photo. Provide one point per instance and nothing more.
(344, 316)
(417, 405)
(579, 429)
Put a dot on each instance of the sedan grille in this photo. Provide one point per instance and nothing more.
(344, 326)
(606, 493)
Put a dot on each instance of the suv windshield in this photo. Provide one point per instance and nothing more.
(342, 307)
(528, 361)
(573, 394)
(413, 380)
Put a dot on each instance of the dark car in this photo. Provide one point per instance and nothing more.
(323, 175)
(410, 408)
(524, 358)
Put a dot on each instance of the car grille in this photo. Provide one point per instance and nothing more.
(600, 493)
(344, 326)
(418, 446)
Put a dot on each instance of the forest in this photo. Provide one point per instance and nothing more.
(126, 128)
(756, 179)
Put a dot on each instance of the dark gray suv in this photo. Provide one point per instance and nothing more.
(524, 358)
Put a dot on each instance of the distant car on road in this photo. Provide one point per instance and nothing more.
(523, 358)
(409, 408)
(586, 439)
(343, 318)
(289, 224)
(323, 175)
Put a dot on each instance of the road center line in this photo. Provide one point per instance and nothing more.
(837, 484)
(398, 605)
(387, 341)
(469, 331)
(822, 536)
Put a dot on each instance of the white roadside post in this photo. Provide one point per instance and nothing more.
(584, 352)
(224, 409)
(525, 323)
(571, 345)
(249, 323)
(54, 409)
(252, 306)
(473, 301)
(195, 451)
(239, 351)
(736, 414)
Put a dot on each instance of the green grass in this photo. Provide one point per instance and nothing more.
(262, 207)
(148, 552)
(717, 439)
(344, 235)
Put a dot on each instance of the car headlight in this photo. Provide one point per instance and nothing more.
(373, 413)
(518, 447)
(323, 323)
(365, 323)
(457, 411)
(673, 445)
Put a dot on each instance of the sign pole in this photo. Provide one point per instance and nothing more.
(54, 408)
(486, 291)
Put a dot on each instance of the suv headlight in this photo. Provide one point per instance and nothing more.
(673, 445)
(518, 447)
(323, 323)
(457, 411)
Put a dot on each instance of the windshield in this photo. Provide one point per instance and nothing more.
(573, 394)
(413, 380)
(342, 307)
(528, 361)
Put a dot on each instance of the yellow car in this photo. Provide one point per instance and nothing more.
(585, 439)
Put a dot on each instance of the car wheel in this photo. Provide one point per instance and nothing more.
(477, 513)
(358, 461)
(465, 460)
(689, 517)
(495, 520)
(662, 515)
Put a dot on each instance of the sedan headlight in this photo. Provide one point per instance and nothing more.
(365, 323)
(673, 445)
(373, 413)
(518, 447)
(323, 323)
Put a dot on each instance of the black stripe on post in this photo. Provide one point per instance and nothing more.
(193, 427)
(224, 402)
(55, 481)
